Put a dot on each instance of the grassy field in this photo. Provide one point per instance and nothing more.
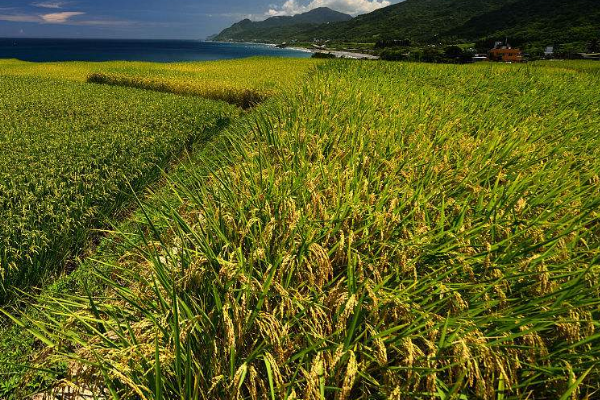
(72, 155)
(240, 82)
(75, 151)
(384, 231)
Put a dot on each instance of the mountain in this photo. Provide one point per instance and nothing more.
(418, 20)
(278, 27)
(428, 21)
(531, 21)
(537, 22)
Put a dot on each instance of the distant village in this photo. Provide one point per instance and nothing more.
(504, 52)
(404, 50)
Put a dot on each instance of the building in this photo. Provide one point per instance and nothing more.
(480, 58)
(549, 52)
(503, 52)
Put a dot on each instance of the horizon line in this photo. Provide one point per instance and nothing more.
(95, 38)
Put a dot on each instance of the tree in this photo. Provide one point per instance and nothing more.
(453, 52)
(432, 55)
(383, 43)
(484, 45)
(593, 46)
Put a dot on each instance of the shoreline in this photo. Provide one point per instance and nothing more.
(336, 53)
(339, 53)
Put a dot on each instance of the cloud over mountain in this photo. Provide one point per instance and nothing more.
(354, 7)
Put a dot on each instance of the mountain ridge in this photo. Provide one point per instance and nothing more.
(257, 30)
(452, 21)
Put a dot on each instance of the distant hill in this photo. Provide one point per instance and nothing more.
(451, 21)
(536, 21)
(418, 20)
(454, 20)
(275, 28)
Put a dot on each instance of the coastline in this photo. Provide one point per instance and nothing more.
(339, 53)
(336, 53)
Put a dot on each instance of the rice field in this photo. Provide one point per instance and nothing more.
(72, 154)
(386, 231)
(72, 150)
(244, 82)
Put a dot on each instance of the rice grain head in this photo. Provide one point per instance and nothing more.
(350, 377)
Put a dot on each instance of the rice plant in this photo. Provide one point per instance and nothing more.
(257, 73)
(244, 82)
(71, 154)
(237, 95)
(390, 231)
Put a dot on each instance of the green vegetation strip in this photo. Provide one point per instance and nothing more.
(241, 97)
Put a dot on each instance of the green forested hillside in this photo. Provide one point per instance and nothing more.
(281, 26)
(537, 21)
(450, 21)
(419, 20)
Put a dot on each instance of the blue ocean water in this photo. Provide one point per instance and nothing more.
(41, 50)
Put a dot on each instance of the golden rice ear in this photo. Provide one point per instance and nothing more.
(252, 383)
(229, 331)
(323, 270)
(238, 381)
(349, 377)
(292, 395)
(380, 351)
(313, 377)
(351, 303)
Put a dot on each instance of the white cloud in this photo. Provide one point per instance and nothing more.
(105, 22)
(50, 4)
(19, 18)
(59, 18)
(66, 19)
(354, 7)
(234, 16)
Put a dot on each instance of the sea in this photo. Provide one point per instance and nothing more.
(47, 50)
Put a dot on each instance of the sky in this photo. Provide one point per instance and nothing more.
(151, 19)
